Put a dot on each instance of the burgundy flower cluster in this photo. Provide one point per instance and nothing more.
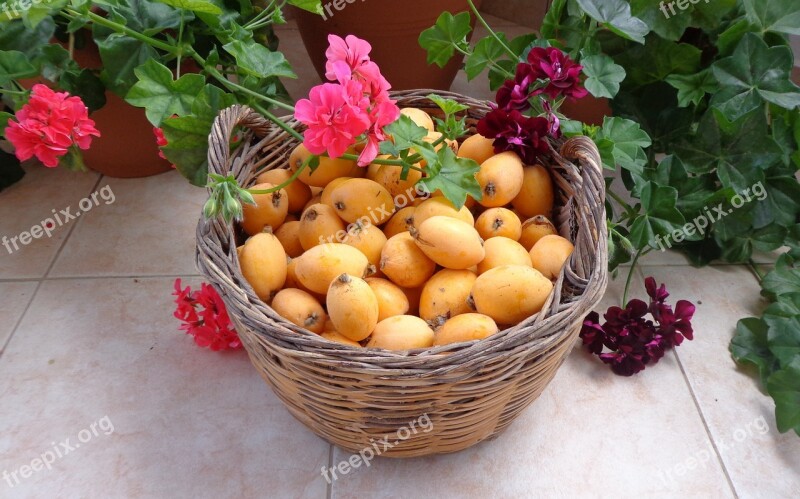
(548, 72)
(205, 318)
(634, 341)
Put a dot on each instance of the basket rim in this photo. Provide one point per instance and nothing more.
(442, 359)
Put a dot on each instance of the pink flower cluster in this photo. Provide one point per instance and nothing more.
(48, 125)
(211, 327)
(354, 109)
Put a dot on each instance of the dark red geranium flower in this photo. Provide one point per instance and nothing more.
(633, 341)
(205, 318)
(515, 94)
(564, 73)
(512, 131)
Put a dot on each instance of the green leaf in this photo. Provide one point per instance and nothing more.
(692, 88)
(441, 40)
(784, 280)
(160, 95)
(10, 169)
(749, 346)
(782, 16)
(17, 36)
(42, 10)
(200, 6)
(187, 136)
(406, 134)
(629, 141)
(603, 75)
(53, 61)
(257, 60)
(781, 200)
(616, 16)
(660, 18)
(14, 65)
(784, 387)
(121, 56)
(694, 191)
(660, 216)
(448, 106)
(314, 6)
(664, 58)
(486, 52)
(754, 73)
(454, 176)
(86, 85)
(784, 338)
(144, 16)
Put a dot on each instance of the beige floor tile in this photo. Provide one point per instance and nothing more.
(149, 229)
(187, 422)
(760, 461)
(591, 434)
(16, 296)
(30, 202)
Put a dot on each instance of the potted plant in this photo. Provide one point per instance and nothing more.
(392, 28)
(705, 134)
(151, 72)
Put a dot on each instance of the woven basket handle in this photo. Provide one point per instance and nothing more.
(225, 124)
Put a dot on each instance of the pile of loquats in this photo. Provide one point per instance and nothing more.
(365, 258)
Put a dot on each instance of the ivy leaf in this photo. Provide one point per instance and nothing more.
(628, 140)
(603, 75)
(754, 73)
(15, 65)
(144, 16)
(487, 51)
(780, 202)
(160, 95)
(784, 387)
(784, 338)
(441, 40)
(660, 215)
(454, 176)
(664, 58)
(692, 88)
(739, 248)
(199, 6)
(187, 136)
(782, 16)
(749, 346)
(660, 18)
(616, 16)
(257, 60)
(784, 280)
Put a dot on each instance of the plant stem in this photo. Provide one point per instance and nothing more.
(754, 268)
(630, 277)
(235, 86)
(119, 28)
(495, 66)
(494, 35)
(291, 179)
(180, 52)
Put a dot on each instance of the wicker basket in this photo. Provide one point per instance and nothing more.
(355, 397)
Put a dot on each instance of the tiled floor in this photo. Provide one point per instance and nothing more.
(94, 370)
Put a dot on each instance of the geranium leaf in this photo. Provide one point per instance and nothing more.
(616, 15)
(160, 95)
(629, 141)
(454, 176)
(692, 88)
(86, 85)
(664, 58)
(603, 75)
(487, 51)
(749, 346)
(784, 387)
(784, 338)
(199, 6)
(754, 73)
(660, 18)
(659, 215)
(405, 134)
(441, 40)
(782, 16)
(257, 60)
(15, 65)
(314, 6)
(784, 280)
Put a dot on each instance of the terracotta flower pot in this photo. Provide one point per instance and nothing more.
(590, 110)
(392, 27)
(127, 147)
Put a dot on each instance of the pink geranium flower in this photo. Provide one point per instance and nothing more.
(383, 113)
(49, 125)
(336, 115)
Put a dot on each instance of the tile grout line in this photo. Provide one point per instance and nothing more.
(705, 424)
(44, 277)
(329, 491)
(700, 412)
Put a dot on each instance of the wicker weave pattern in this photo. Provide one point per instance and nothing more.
(352, 397)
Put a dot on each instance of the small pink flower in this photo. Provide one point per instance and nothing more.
(48, 125)
(336, 115)
(348, 59)
(383, 113)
